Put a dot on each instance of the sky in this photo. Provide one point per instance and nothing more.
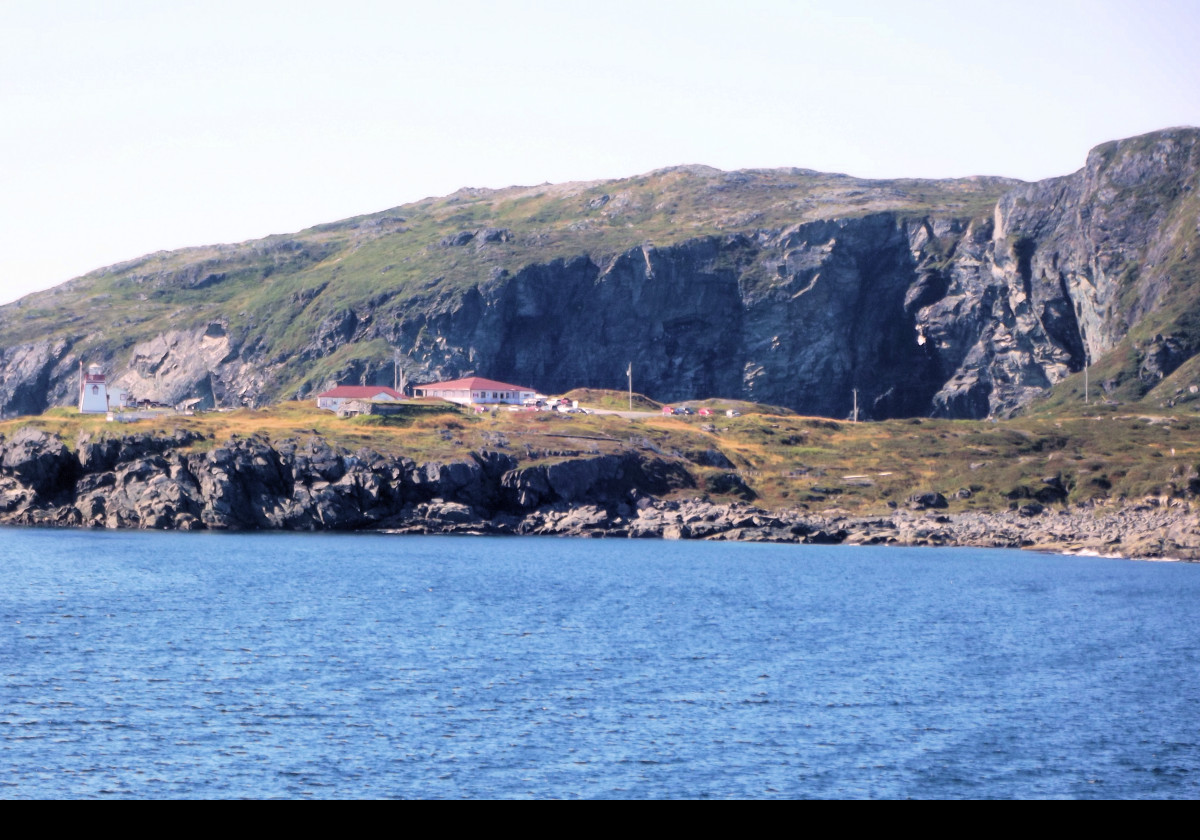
(132, 127)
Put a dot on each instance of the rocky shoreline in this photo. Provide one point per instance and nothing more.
(1139, 531)
(170, 483)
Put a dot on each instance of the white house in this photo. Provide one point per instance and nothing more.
(475, 390)
(332, 400)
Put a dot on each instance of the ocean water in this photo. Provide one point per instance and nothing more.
(214, 665)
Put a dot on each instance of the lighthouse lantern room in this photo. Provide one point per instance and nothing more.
(93, 391)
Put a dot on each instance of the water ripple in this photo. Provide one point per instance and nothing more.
(170, 665)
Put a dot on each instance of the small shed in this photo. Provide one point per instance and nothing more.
(357, 408)
(353, 408)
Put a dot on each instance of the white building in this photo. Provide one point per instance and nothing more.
(476, 390)
(93, 391)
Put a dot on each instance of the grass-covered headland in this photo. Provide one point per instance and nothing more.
(1111, 482)
(1104, 458)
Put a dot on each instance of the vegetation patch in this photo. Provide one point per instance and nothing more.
(781, 461)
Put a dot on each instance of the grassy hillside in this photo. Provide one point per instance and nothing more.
(789, 461)
(281, 289)
(434, 279)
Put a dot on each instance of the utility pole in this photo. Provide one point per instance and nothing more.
(1086, 362)
(399, 376)
(629, 373)
(855, 405)
(1085, 377)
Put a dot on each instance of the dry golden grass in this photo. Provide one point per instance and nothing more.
(788, 460)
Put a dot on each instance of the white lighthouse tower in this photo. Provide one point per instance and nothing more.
(93, 390)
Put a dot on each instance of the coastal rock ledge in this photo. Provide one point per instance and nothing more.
(183, 482)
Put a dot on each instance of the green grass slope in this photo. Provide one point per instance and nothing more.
(278, 291)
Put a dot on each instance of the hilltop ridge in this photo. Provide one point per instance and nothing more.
(961, 297)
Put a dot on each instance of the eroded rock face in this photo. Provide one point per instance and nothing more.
(798, 317)
(141, 481)
(32, 377)
(38, 461)
(203, 364)
(1068, 266)
(599, 480)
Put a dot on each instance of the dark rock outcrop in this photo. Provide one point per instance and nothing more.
(729, 483)
(924, 501)
(140, 481)
(597, 479)
(37, 460)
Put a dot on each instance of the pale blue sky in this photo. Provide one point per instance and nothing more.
(130, 127)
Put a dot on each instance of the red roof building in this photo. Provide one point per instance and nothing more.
(332, 400)
(476, 390)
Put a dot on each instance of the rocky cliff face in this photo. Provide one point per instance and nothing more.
(798, 317)
(1069, 268)
(148, 482)
(956, 299)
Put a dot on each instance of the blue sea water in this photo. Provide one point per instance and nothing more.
(217, 665)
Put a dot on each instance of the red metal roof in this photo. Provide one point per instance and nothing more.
(361, 392)
(473, 383)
